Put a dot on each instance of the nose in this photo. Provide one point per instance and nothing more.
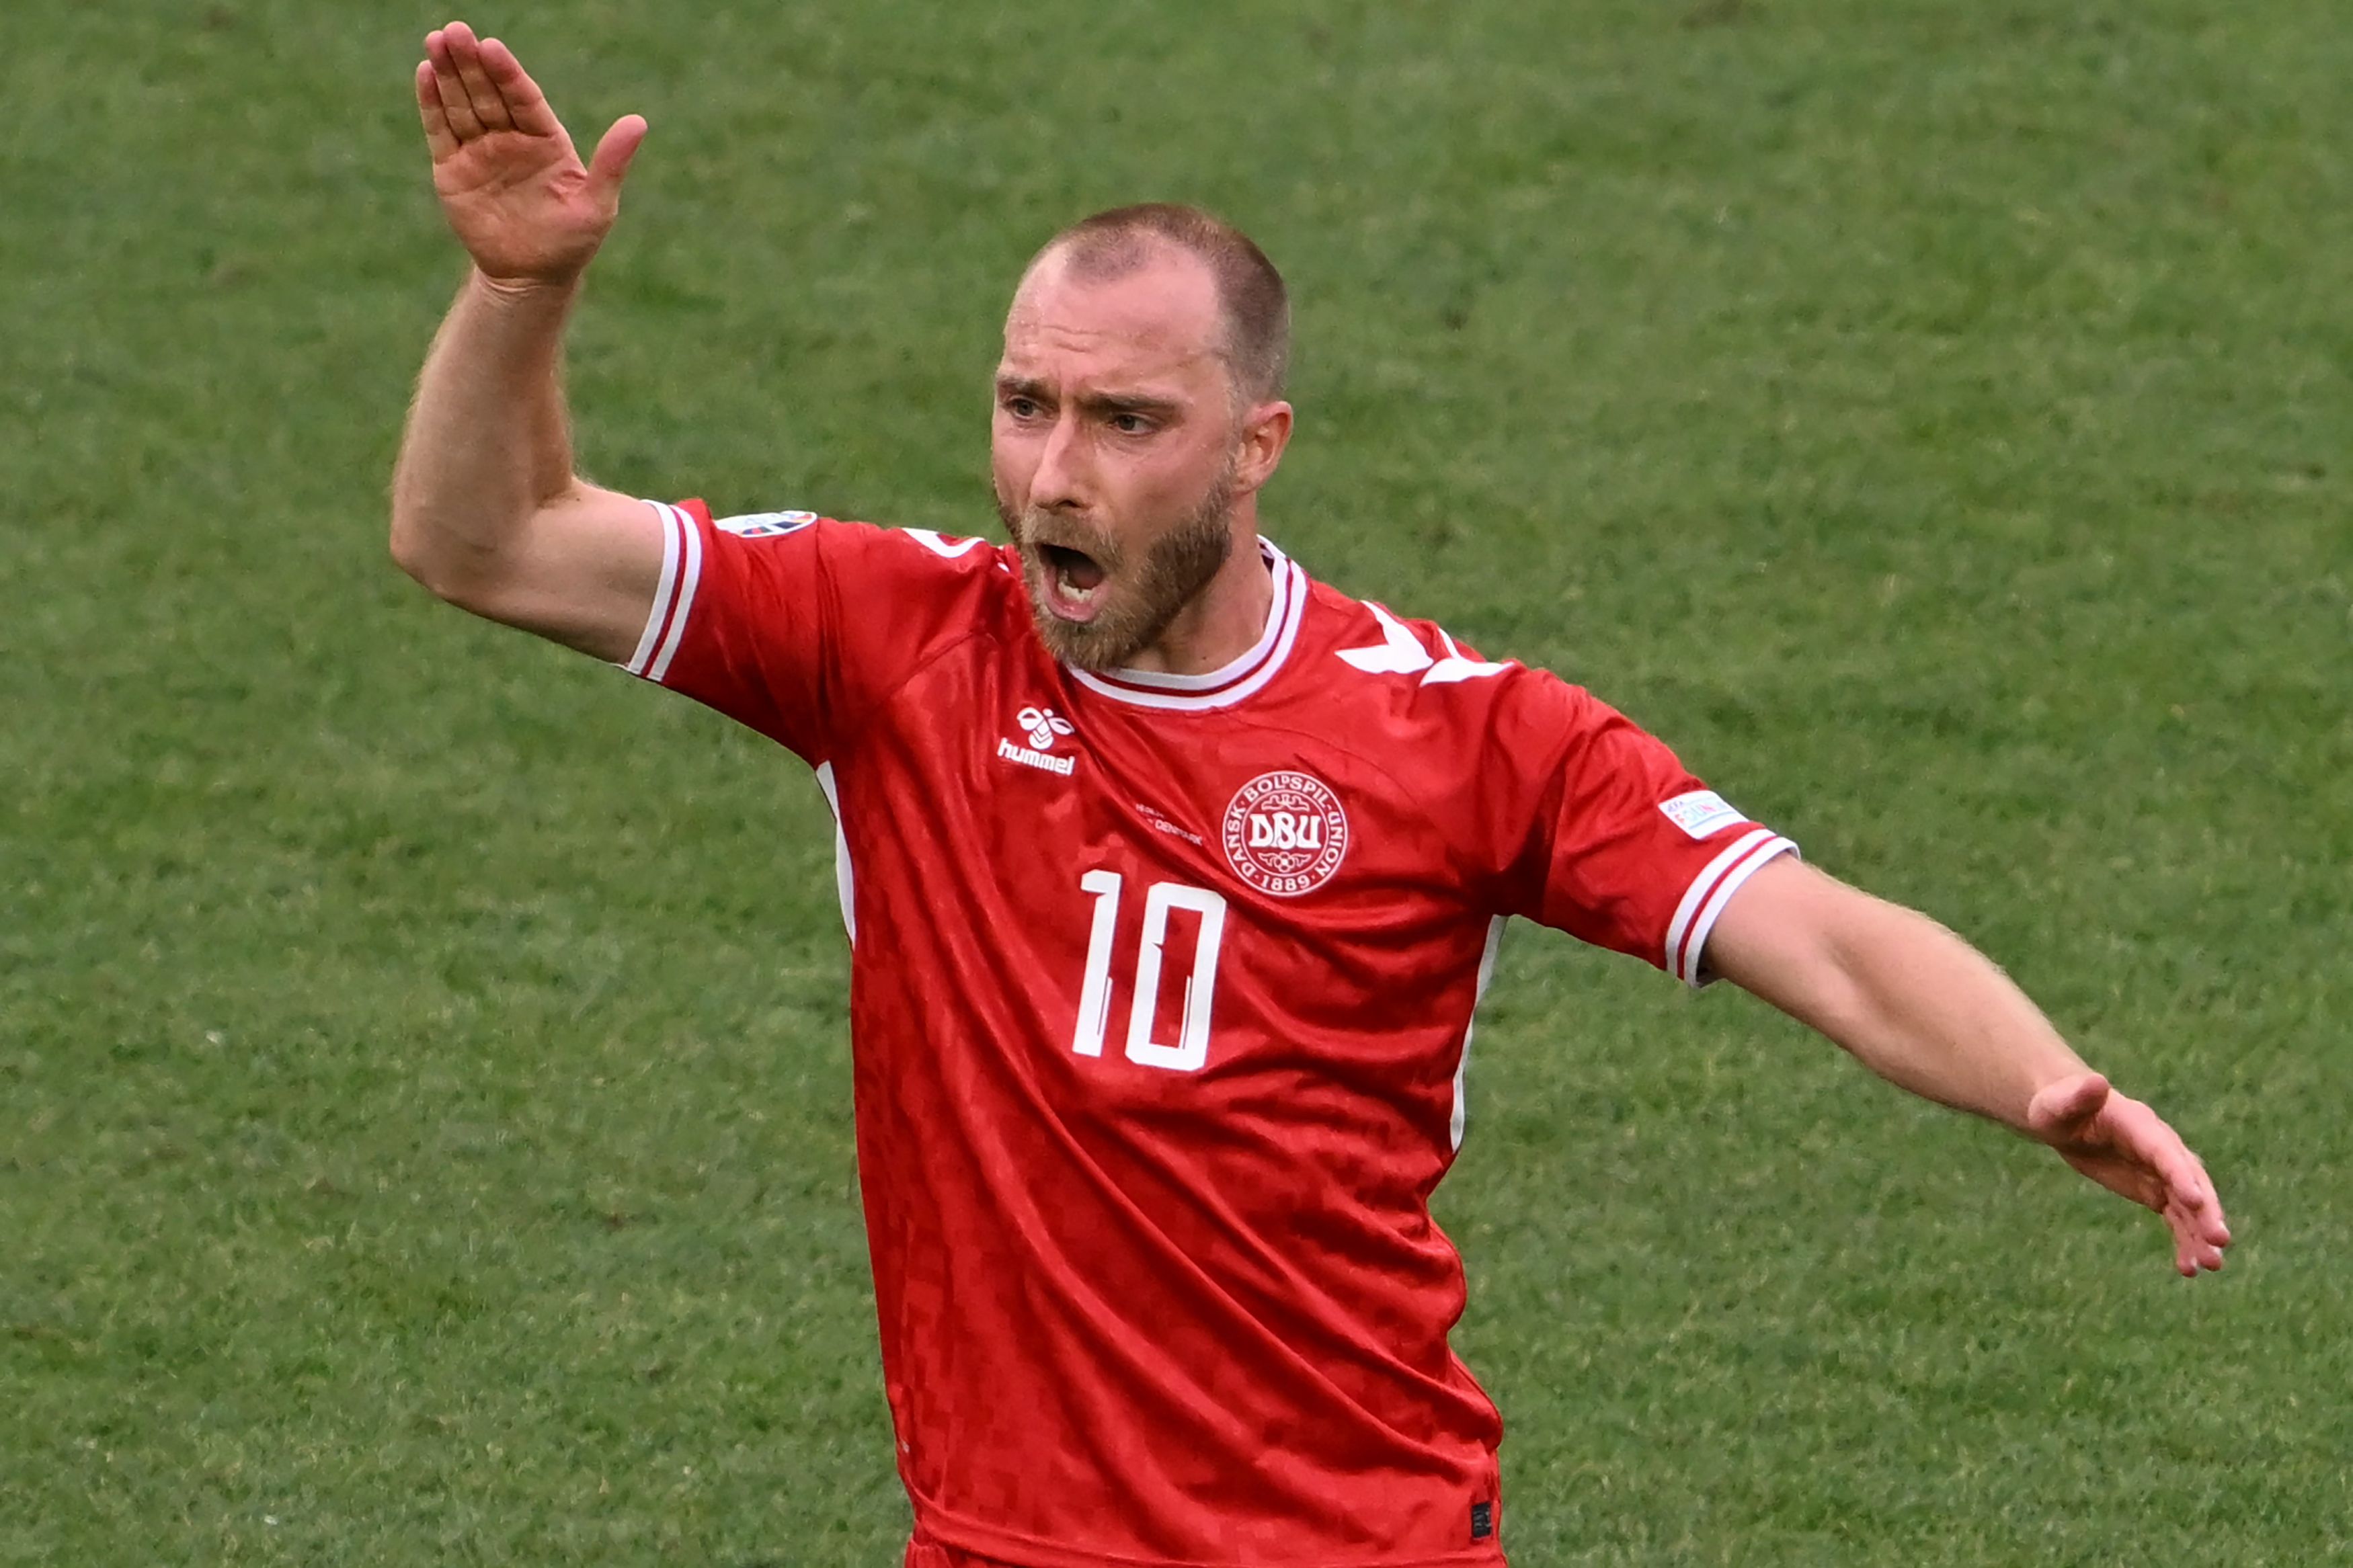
(1058, 484)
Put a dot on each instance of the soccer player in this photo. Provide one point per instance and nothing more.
(1173, 876)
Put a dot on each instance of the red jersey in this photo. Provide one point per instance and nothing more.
(1161, 993)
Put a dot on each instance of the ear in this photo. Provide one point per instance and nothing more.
(1265, 432)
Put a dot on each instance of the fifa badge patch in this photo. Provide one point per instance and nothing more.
(765, 524)
(1701, 812)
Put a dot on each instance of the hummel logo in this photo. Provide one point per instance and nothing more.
(1027, 758)
(1044, 726)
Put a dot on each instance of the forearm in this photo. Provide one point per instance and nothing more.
(1910, 1000)
(1927, 1011)
(1934, 1016)
(1922, 1008)
(486, 445)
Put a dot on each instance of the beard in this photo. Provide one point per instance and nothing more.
(1140, 599)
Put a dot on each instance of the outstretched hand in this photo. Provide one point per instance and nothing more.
(2127, 1148)
(511, 183)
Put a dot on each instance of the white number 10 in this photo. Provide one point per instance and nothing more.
(1192, 1047)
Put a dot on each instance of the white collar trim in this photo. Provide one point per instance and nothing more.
(1233, 682)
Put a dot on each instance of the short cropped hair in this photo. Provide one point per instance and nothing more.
(1250, 295)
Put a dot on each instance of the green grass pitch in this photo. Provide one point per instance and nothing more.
(424, 1123)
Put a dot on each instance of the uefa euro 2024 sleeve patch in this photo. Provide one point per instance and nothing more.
(765, 524)
(1701, 812)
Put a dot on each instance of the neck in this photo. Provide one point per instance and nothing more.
(1221, 622)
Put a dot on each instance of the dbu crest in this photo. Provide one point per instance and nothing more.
(1285, 832)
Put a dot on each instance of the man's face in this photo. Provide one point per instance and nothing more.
(1114, 449)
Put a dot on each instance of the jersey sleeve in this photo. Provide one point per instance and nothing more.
(798, 624)
(1600, 831)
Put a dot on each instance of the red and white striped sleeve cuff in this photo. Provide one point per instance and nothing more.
(674, 598)
(1709, 892)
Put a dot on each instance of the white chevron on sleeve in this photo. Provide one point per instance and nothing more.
(930, 539)
(1454, 667)
(1400, 654)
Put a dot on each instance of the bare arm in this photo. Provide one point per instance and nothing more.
(1923, 1009)
(487, 511)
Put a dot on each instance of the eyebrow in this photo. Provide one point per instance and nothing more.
(1100, 403)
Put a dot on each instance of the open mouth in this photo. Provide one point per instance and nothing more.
(1074, 581)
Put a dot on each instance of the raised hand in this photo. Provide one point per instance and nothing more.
(511, 184)
(2127, 1148)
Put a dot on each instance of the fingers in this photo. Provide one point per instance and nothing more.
(524, 102)
(2195, 1212)
(611, 163)
(2186, 1198)
(2126, 1147)
(456, 104)
(439, 139)
(466, 54)
(482, 86)
(2198, 1241)
(2144, 1136)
